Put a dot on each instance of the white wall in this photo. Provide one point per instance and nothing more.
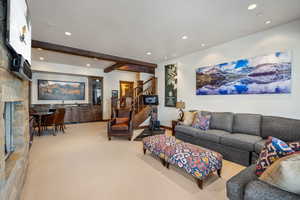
(110, 80)
(281, 38)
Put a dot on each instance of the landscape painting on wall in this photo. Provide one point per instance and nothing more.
(60, 90)
(269, 74)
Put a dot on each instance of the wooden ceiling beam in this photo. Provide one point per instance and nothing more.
(113, 67)
(136, 68)
(90, 54)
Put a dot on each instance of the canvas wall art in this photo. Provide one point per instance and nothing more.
(268, 74)
(171, 85)
(60, 90)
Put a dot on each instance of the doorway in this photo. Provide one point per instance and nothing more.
(126, 93)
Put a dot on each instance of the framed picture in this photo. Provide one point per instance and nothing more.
(171, 85)
(60, 90)
(115, 94)
(268, 74)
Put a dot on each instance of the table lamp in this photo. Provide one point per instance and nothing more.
(180, 105)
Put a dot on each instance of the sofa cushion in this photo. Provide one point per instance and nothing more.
(122, 120)
(212, 135)
(184, 137)
(247, 123)
(240, 141)
(259, 146)
(188, 130)
(285, 129)
(119, 127)
(222, 121)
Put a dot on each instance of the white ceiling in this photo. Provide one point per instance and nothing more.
(67, 59)
(130, 28)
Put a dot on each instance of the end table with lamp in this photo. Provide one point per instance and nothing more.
(179, 105)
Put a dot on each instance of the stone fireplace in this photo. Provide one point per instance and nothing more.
(14, 127)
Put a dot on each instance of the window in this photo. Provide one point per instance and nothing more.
(8, 121)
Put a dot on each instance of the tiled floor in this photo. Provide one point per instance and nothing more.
(83, 165)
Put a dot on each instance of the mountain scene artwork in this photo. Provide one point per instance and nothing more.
(60, 90)
(269, 74)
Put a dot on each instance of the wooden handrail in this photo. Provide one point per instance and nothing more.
(148, 80)
(136, 103)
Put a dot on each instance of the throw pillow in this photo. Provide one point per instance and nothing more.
(295, 145)
(273, 150)
(201, 122)
(283, 172)
(188, 118)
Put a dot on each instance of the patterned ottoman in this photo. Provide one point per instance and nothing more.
(195, 160)
(157, 145)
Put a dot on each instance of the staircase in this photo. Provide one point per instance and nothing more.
(141, 111)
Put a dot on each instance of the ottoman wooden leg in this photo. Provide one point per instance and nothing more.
(144, 150)
(200, 183)
(219, 172)
(163, 162)
(167, 165)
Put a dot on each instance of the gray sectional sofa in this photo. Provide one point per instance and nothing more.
(246, 186)
(240, 137)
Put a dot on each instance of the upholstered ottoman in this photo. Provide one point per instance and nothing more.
(195, 160)
(157, 145)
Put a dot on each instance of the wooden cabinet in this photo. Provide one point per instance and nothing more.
(80, 113)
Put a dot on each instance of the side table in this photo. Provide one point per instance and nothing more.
(174, 123)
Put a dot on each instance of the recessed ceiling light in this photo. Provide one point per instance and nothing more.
(149, 53)
(68, 33)
(42, 58)
(202, 45)
(184, 37)
(88, 65)
(268, 22)
(252, 6)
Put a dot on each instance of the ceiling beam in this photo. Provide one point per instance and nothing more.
(136, 68)
(90, 54)
(113, 67)
(130, 68)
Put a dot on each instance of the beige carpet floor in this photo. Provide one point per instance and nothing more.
(83, 165)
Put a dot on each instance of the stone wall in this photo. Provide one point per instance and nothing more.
(12, 169)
